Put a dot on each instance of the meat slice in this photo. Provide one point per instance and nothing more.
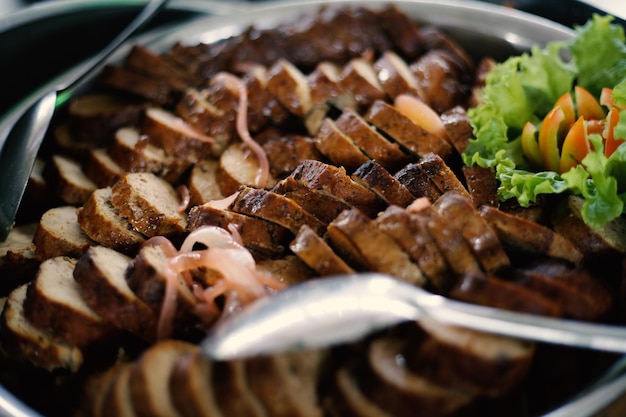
(22, 340)
(286, 384)
(458, 127)
(404, 131)
(360, 79)
(337, 147)
(101, 276)
(101, 168)
(238, 166)
(449, 240)
(402, 31)
(263, 107)
(394, 388)
(59, 234)
(285, 152)
(333, 180)
(459, 211)
(103, 224)
(395, 76)
(288, 270)
(355, 236)
(322, 205)
(70, 181)
(116, 400)
(417, 182)
(313, 250)
(94, 117)
(158, 66)
(229, 381)
(177, 137)
(372, 143)
(325, 84)
(347, 398)
(415, 239)
(150, 204)
(490, 291)
(471, 361)
(602, 241)
(190, 386)
(149, 378)
(482, 185)
(436, 169)
(54, 303)
(375, 177)
(203, 183)
(131, 151)
(146, 277)
(18, 262)
(289, 85)
(528, 236)
(275, 208)
(140, 85)
(262, 237)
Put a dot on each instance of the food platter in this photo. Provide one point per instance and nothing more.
(477, 27)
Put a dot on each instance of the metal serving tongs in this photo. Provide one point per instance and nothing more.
(23, 130)
(334, 310)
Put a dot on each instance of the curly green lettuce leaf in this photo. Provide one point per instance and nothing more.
(599, 52)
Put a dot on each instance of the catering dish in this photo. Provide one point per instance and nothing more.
(85, 344)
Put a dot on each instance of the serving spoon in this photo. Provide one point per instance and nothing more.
(335, 310)
(23, 129)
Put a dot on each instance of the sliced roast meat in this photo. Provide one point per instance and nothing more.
(481, 185)
(337, 147)
(70, 181)
(348, 400)
(414, 237)
(289, 85)
(140, 85)
(59, 234)
(18, 261)
(322, 205)
(333, 180)
(130, 150)
(313, 250)
(285, 152)
(101, 168)
(359, 77)
(101, 276)
(404, 131)
(529, 236)
(286, 384)
(326, 88)
(203, 183)
(175, 136)
(262, 237)
(459, 211)
(263, 107)
(54, 303)
(275, 208)
(490, 291)
(395, 76)
(149, 379)
(157, 66)
(103, 224)
(372, 143)
(364, 242)
(417, 182)
(23, 341)
(288, 270)
(375, 177)
(238, 167)
(402, 30)
(229, 381)
(116, 399)
(190, 386)
(458, 127)
(150, 204)
(436, 169)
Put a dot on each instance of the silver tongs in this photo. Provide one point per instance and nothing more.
(335, 310)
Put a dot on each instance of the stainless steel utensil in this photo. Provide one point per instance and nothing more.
(340, 309)
(23, 130)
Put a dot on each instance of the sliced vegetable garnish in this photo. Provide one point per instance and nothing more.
(554, 121)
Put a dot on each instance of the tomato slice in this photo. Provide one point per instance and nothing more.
(575, 146)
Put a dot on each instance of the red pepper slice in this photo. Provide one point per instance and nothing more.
(575, 146)
(588, 106)
(530, 147)
(610, 142)
(549, 139)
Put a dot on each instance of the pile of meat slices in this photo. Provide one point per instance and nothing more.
(163, 150)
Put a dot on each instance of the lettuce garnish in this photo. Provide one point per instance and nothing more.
(524, 88)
